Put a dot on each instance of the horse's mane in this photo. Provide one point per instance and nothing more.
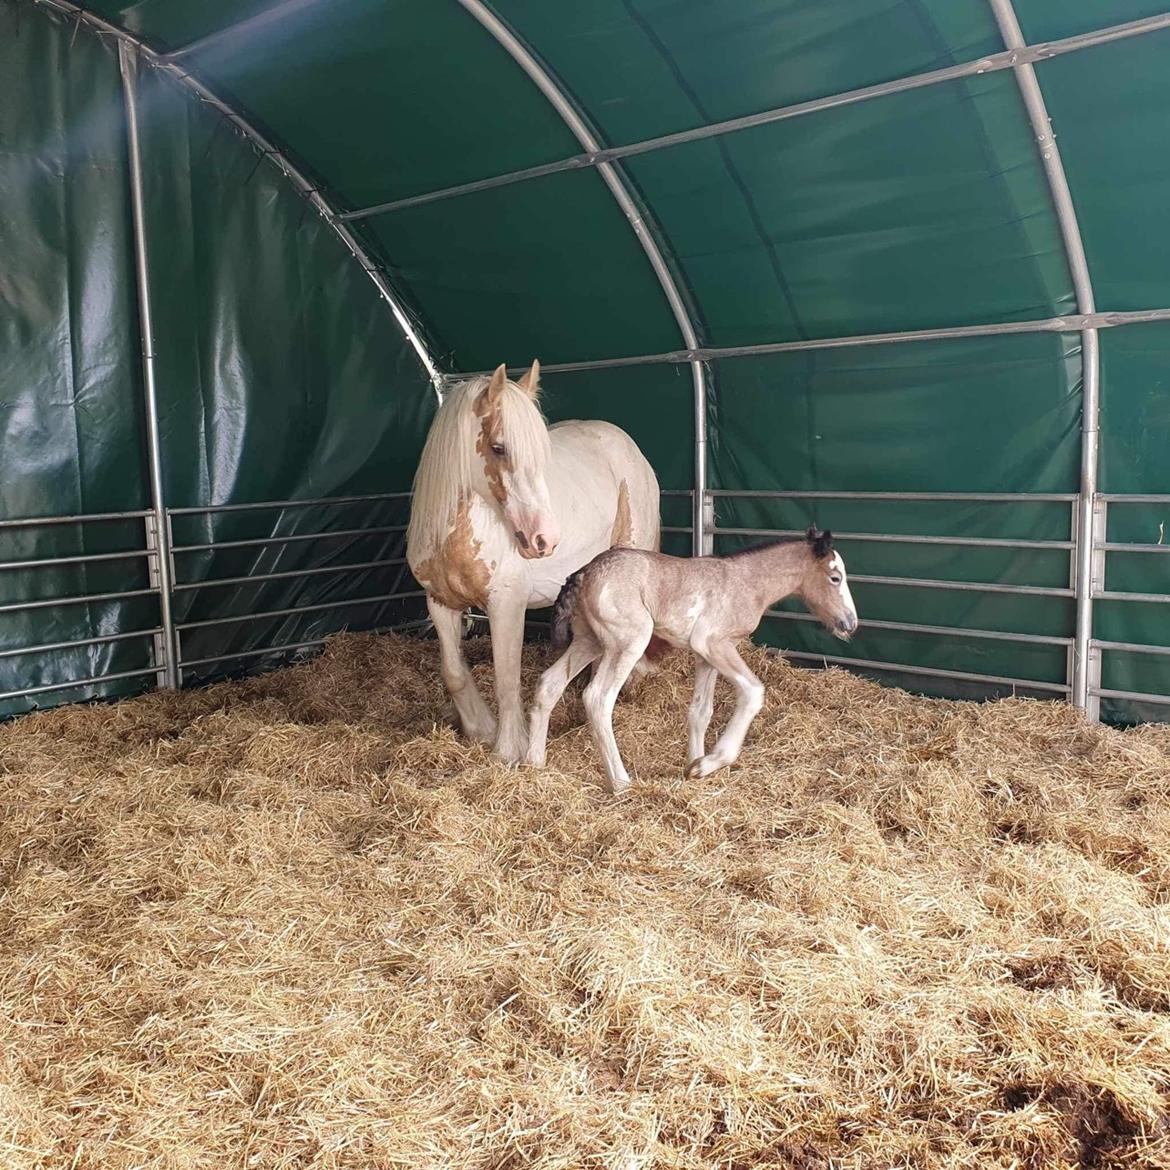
(447, 469)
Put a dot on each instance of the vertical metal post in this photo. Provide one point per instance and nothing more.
(706, 542)
(158, 642)
(552, 88)
(701, 502)
(1098, 538)
(1086, 535)
(128, 60)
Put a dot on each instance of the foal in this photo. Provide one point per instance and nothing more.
(623, 597)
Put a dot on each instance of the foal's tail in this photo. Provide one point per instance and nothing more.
(562, 632)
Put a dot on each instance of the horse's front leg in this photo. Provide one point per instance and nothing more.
(506, 611)
(475, 718)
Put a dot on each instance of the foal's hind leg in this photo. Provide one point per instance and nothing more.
(702, 704)
(553, 682)
(618, 659)
(724, 657)
(474, 716)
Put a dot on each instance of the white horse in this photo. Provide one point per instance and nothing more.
(504, 509)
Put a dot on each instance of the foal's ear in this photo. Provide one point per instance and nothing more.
(822, 545)
(530, 382)
(495, 387)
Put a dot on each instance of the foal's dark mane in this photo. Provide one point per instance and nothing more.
(760, 545)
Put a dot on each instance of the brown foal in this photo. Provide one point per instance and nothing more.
(614, 605)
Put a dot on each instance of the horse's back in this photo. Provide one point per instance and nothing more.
(591, 452)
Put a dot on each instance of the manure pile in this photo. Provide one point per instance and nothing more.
(296, 922)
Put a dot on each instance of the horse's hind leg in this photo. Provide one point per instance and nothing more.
(618, 659)
(474, 716)
(724, 657)
(553, 682)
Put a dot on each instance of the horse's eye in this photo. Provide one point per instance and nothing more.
(499, 450)
(836, 579)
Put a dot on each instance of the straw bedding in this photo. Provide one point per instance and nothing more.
(292, 922)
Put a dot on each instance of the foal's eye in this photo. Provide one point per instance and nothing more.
(836, 578)
(499, 450)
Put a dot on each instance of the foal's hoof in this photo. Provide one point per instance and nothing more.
(704, 766)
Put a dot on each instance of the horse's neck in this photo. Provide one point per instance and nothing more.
(767, 575)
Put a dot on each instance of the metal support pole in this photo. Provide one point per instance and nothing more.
(1025, 73)
(555, 92)
(1098, 543)
(270, 151)
(127, 58)
(703, 507)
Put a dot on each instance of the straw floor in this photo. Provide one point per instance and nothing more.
(292, 922)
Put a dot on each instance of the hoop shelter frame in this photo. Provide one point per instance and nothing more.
(635, 173)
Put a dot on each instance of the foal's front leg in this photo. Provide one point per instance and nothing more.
(724, 657)
(505, 613)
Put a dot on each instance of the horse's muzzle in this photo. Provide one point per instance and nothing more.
(537, 547)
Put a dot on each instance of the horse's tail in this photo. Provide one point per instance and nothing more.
(562, 618)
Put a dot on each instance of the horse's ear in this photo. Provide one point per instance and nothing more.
(530, 382)
(496, 386)
(822, 545)
(811, 534)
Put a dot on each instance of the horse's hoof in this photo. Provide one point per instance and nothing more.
(695, 769)
(512, 753)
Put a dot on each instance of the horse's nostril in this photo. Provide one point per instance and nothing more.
(541, 543)
(521, 538)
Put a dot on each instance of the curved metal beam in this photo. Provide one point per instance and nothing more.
(559, 100)
(1073, 323)
(1006, 59)
(1070, 231)
(163, 563)
(327, 211)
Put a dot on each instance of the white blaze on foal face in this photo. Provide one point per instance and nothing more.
(826, 589)
(847, 623)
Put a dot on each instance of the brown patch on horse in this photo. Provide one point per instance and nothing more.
(622, 524)
(455, 575)
(487, 409)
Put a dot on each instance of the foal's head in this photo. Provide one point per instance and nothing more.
(824, 587)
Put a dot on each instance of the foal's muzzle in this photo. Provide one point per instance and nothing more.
(846, 627)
